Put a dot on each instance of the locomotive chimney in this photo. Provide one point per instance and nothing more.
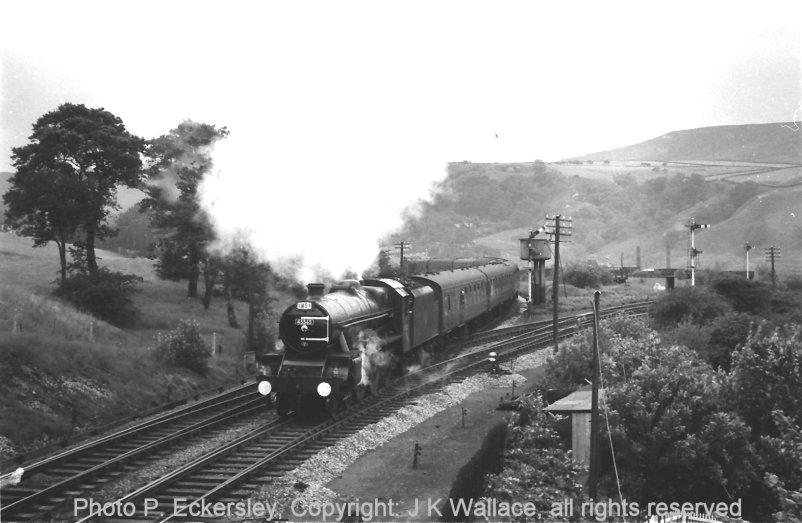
(315, 290)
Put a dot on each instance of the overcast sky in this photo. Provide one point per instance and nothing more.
(357, 92)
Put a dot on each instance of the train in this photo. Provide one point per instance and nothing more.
(338, 346)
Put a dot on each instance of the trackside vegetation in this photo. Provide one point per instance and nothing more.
(702, 403)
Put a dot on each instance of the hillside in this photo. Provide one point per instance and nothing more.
(775, 142)
(62, 361)
(619, 204)
(772, 218)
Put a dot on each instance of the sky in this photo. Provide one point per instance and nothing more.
(343, 114)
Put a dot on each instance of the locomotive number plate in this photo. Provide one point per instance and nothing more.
(304, 321)
(305, 305)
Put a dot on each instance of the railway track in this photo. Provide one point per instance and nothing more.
(226, 476)
(586, 318)
(50, 482)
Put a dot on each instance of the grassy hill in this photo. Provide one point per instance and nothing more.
(61, 360)
(775, 142)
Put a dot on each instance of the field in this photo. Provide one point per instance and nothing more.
(767, 174)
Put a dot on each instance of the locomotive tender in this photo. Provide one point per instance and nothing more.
(338, 346)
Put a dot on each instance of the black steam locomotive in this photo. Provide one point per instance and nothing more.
(340, 345)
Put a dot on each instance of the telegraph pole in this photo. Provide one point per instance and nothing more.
(693, 253)
(561, 227)
(771, 254)
(593, 476)
(401, 245)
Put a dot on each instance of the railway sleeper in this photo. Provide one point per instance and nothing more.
(235, 460)
(180, 491)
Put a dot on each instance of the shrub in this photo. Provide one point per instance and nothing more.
(536, 470)
(727, 333)
(184, 347)
(571, 366)
(626, 326)
(766, 376)
(744, 295)
(588, 274)
(793, 282)
(690, 335)
(698, 305)
(105, 294)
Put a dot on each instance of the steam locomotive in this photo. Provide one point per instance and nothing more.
(340, 345)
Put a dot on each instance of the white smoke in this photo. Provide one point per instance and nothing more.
(318, 206)
(12, 478)
(376, 363)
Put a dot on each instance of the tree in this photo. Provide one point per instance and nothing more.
(247, 279)
(767, 376)
(83, 153)
(102, 293)
(178, 162)
(672, 441)
(43, 203)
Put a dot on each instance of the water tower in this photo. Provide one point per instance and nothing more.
(536, 252)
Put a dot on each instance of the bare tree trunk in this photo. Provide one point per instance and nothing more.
(208, 288)
(62, 255)
(232, 315)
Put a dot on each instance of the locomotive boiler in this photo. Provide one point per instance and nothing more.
(340, 345)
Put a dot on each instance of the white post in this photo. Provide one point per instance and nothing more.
(214, 343)
(531, 298)
(91, 331)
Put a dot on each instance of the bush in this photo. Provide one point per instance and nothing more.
(105, 294)
(626, 326)
(697, 305)
(766, 376)
(536, 469)
(793, 282)
(690, 335)
(588, 274)
(744, 295)
(727, 333)
(571, 366)
(184, 347)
